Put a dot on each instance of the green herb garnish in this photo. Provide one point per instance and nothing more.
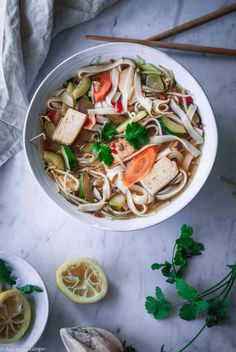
(5, 274)
(185, 248)
(136, 134)
(5, 277)
(159, 307)
(194, 303)
(108, 131)
(104, 153)
(27, 289)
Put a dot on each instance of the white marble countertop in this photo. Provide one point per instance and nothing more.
(32, 226)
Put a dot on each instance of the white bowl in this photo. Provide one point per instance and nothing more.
(26, 274)
(68, 68)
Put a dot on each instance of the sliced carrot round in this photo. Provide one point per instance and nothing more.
(54, 116)
(104, 86)
(140, 166)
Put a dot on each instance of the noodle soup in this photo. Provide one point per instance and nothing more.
(121, 139)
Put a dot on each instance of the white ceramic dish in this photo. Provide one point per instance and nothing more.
(68, 68)
(39, 302)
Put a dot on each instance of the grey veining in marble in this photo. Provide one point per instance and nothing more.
(32, 226)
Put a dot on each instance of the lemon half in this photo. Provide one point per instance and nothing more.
(82, 280)
(15, 316)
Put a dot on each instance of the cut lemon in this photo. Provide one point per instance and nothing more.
(82, 280)
(15, 316)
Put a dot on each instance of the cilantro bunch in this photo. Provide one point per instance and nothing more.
(5, 278)
(193, 303)
(135, 134)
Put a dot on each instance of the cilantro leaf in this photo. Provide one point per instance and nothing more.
(104, 153)
(5, 274)
(27, 289)
(191, 311)
(108, 131)
(159, 307)
(136, 134)
(216, 312)
(184, 290)
(167, 271)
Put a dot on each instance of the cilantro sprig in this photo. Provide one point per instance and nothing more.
(193, 303)
(108, 132)
(104, 153)
(136, 134)
(5, 278)
(184, 249)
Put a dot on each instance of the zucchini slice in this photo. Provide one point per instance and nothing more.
(85, 187)
(52, 158)
(84, 104)
(150, 67)
(70, 88)
(117, 201)
(49, 128)
(172, 127)
(82, 87)
(154, 81)
(69, 158)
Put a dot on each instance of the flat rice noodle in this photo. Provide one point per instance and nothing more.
(187, 124)
(93, 69)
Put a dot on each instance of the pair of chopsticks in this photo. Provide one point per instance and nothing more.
(155, 40)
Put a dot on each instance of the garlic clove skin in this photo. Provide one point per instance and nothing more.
(91, 339)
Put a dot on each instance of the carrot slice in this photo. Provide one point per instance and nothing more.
(90, 122)
(140, 166)
(104, 86)
(54, 116)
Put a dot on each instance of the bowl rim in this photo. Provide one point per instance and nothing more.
(152, 217)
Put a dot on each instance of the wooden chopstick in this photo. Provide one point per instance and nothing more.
(195, 22)
(167, 45)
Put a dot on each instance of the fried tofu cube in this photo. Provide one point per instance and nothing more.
(69, 127)
(162, 173)
(121, 149)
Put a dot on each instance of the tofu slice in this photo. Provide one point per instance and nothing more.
(69, 127)
(162, 173)
(123, 148)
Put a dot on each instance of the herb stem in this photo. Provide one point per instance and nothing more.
(229, 287)
(193, 339)
(218, 283)
(226, 180)
(215, 289)
(172, 258)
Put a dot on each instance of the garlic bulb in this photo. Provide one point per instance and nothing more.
(82, 339)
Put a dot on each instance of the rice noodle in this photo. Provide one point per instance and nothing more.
(186, 122)
(144, 102)
(127, 87)
(171, 191)
(91, 70)
(115, 79)
(132, 206)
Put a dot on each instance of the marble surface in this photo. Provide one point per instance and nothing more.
(32, 226)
